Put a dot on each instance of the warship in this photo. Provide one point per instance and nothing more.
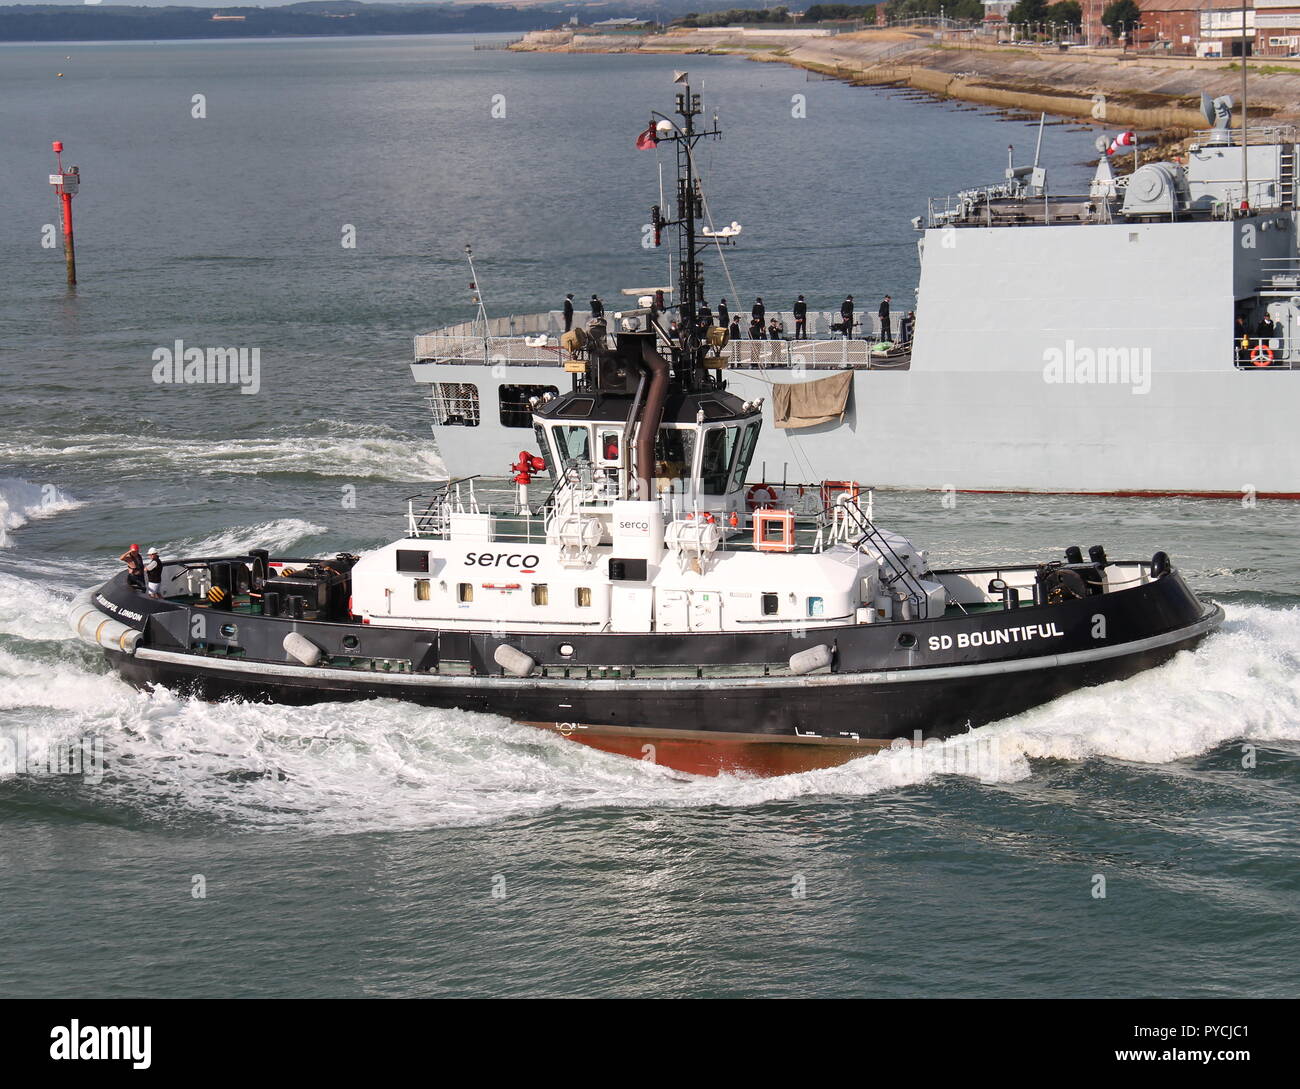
(1077, 343)
(644, 597)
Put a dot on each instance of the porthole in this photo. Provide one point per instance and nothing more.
(906, 641)
(566, 650)
(229, 630)
(351, 642)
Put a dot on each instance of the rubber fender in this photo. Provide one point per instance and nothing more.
(301, 649)
(98, 628)
(805, 661)
(513, 661)
(81, 607)
(114, 635)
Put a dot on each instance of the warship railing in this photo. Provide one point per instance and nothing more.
(1255, 134)
(832, 353)
(535, 338)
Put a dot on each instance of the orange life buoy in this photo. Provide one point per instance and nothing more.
(1262, 355)
(753, 502)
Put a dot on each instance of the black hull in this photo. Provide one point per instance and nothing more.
(850, 717)
(729, 716)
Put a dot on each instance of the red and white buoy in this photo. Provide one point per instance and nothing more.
(66, 185)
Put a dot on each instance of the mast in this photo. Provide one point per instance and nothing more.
(689, 347)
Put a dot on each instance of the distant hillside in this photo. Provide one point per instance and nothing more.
(52, 22)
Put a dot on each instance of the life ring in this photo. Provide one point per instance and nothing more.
(753, 502)
(1262, 355)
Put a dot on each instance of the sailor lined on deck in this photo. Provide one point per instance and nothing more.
(800, 318)
(568, 312)
(134, 566)
(759, 311)
(706, 315)
(846, 317)
(724, 315)
(884, 318)
(597, 307)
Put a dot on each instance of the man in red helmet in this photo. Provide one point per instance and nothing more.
(134, 567)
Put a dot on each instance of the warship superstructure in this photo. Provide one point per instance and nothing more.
(1109, 342)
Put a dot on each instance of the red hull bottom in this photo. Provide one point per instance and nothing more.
(719, 754)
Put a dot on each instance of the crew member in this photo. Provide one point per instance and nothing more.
(907, 327)
(756, 330)
(153, 569)
(597, 307)
(800, 319)
(846, 317)
(706, 315)
(884, 318)
(568, 312)
(134, 567)
(759, 311)
(733, 330)
(724, 315)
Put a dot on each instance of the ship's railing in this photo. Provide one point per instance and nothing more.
(1265, 354)
(535, 339)
(1255, 134)
(1006, 205)
(1282, 276)
(1264, 195)
(460, 399)
(814, 354)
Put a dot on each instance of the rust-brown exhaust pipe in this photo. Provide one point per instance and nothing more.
(651, 417)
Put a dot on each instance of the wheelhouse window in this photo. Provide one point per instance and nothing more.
(609, 444)
(544, 447)
(572, 444)
(674, 454)
(454, 404)
(515, 410)
(747, 446)
(716, 459)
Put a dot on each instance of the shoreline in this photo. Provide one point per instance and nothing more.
(1101, 86)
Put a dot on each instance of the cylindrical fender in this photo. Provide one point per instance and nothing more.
(301, 649)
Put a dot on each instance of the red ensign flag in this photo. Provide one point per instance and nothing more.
(647, 139)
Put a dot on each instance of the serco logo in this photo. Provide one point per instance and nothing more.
(516, 560)
(644, 527)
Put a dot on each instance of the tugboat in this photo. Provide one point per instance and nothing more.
(655, 603)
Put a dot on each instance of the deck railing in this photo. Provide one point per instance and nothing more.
(539, 349)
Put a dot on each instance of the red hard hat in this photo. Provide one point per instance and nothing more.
(134, 548)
